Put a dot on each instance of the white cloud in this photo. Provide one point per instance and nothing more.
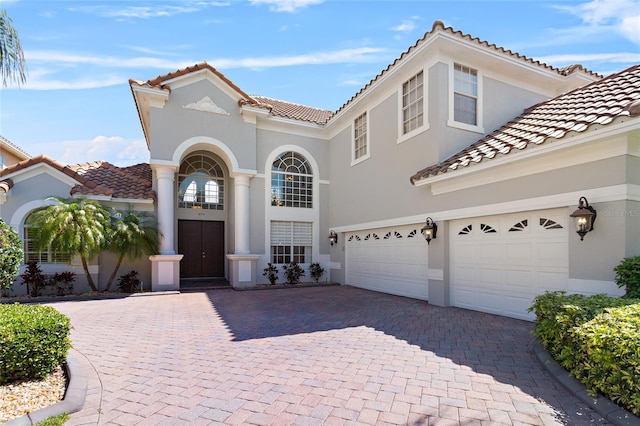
(404, 27)
(114, 149)
(622, 16)
(577, 58)
(147, 12)
(286, 5)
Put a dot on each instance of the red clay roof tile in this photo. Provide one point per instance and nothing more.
(572, 112)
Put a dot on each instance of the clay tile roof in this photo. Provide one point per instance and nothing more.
(597, 104)
(133, 182)
(291, 110)
(98, 178)
(6, 141)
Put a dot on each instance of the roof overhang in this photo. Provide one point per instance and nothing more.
(147, 97)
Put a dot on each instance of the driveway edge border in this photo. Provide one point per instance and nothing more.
(74, 397)
(601, 405)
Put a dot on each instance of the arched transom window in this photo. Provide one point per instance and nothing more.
(291, 181)
(200, 183)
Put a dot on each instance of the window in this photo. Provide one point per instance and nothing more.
(200, 184)
(32, 254)
(465, 95)
(360, 138)
(412, 104)
(291, 242)
(291, 181)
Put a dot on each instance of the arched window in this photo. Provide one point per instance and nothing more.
(291, 181)
(32, 254)
(200, 183)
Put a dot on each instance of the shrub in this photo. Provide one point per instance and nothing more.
(34, 279)
(271, 272)
(316, 271)
(628, 276)
(129, 283)
(609, 359)
(10, 255)
(293, 272)
(63, 282)
(34, 340)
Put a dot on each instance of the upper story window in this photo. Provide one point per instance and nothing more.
(200, 183)
(465, 95)
(360, 138)
(413, 103)
(291, 181)
(32, 254)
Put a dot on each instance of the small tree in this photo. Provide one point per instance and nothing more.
(628, 276)
(271, 272)
(11, 255)
(12, 63)
(74, 226)
(293, 272)
(34, 279)
(133, 234)
(316, 271)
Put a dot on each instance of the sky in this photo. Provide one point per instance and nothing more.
(77, 106)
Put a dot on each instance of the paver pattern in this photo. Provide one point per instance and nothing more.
(309, 356)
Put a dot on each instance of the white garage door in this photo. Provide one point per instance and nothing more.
(500, 263)
(390, 260)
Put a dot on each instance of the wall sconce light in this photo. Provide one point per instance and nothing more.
(429, 230)
(333, 238)
(584, 217)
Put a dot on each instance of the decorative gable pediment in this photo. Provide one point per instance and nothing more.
(206, 104)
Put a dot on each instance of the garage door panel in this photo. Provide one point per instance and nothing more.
(500, 263)
(395, 263)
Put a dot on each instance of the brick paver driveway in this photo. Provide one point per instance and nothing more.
(323, 356)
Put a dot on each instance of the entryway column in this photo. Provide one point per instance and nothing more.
(242, 264)
(242, 207)
(165, 267)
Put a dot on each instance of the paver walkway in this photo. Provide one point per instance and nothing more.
(309, 356)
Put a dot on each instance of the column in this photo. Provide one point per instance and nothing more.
(165, 188)
(242, 208)
(242, 264)
(165, 267)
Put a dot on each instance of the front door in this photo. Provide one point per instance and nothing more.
(202, 244)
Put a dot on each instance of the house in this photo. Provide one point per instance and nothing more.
(494, 148)
(29, 184)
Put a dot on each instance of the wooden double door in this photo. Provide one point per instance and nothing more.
(202, 244)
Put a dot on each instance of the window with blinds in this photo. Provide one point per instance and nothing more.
(33, 254)
(412, 103)
(291, 242)
(465, 96)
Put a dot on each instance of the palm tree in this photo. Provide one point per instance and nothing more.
(12, 64)
(133, 234)
(75, 226)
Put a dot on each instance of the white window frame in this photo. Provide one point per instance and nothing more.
(291, 235)
(364, 135)
(451, 122)
(46, 256)
(402, 136)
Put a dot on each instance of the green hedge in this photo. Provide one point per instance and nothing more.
(34, 340)
(596, 339)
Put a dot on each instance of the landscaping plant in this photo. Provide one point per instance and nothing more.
(129, 283)
(34, 279)
(271, 272)
(11, 255)
(596, 339)
(63, 282)
(34, 340)
(293, 272)
(316, 271)
(628, 276)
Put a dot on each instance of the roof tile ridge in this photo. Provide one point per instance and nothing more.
(292, 103)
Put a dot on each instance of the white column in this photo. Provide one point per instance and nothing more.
(242, 214)
(165, 189)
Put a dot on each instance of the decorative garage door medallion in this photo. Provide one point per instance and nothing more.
(500, 263)
(390, 260)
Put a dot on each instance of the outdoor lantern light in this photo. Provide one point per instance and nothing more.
(584, 217)
(333, 238)
(429, 230)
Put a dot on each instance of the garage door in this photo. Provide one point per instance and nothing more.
(500, 263)
(390, 260)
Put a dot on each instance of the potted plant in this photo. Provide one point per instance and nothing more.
(316, 271)
(271, 272)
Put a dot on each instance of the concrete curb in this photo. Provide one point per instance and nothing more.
(601, 405)
(74, 397)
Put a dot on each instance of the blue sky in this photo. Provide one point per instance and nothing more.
(77, 105)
